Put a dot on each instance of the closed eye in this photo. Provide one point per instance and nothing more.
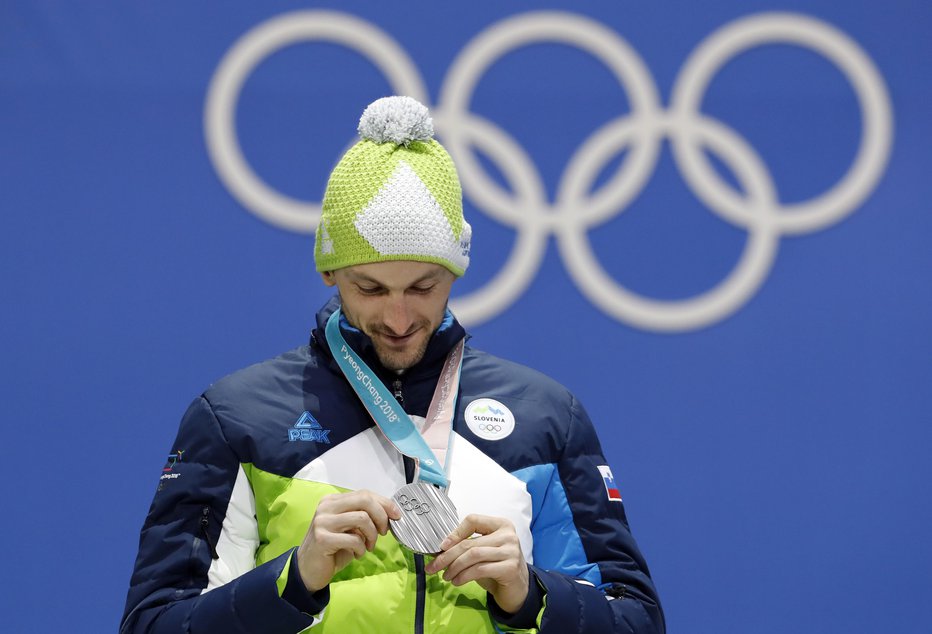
(370, 290)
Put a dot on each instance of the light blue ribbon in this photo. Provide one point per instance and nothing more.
(382, 406)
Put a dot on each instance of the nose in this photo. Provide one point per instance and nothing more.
(398, 316)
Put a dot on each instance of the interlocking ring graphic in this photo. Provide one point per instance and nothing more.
(413, 505)
(577, 208)
(490, 427)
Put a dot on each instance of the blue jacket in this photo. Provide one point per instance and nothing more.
(259, 449)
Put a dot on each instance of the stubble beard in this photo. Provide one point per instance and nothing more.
(391, 357)
(395, 359)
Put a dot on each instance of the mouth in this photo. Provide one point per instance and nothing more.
(398, 340)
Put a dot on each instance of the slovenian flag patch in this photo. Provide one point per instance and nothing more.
(610, 488)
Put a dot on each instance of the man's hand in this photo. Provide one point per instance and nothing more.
(493, 560)
(345, 527)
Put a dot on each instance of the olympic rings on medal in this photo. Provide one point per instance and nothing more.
(577, 207)
(413, 505)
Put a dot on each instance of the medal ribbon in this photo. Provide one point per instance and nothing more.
(389, 416)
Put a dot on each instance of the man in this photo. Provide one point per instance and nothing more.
(288, 502)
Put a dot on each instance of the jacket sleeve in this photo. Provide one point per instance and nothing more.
(195, 571)
(585, 557)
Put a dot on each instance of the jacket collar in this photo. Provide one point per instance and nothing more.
(441, 342)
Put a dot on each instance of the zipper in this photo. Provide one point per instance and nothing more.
(396, 388)
(421, 577)
(205, 529)
(421, 594)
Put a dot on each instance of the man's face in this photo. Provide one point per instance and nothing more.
(398, 305)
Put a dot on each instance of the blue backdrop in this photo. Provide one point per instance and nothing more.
(708, 220)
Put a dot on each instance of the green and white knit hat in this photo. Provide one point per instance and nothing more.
(394, 195)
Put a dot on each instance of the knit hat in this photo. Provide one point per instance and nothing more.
(394, 195)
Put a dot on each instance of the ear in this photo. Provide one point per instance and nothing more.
(328, 277)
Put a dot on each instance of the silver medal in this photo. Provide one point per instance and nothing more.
(427, 517)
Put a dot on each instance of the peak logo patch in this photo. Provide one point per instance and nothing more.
(307, 428)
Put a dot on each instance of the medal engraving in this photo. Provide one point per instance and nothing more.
(427, 517)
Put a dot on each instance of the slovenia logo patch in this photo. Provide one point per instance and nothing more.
(489, 419)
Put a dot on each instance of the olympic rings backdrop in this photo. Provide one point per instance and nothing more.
(708, 220)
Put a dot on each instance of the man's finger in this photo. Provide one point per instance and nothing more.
(351, 542)
(378, 507)
(483, 572)
(454, 552)
(482, 524)
(358, 521)
(474, 556)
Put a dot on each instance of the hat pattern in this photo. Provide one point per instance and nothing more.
(395, 196)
